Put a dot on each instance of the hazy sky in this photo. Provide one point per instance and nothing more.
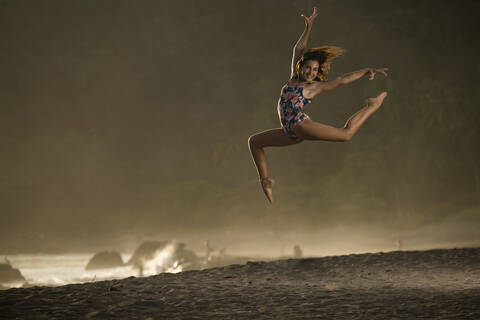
(130, 119)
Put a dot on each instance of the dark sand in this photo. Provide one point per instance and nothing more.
(435, 284)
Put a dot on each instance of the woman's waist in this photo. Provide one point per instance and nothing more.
(290, 107)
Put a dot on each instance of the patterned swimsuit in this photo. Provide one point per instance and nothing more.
(290, 108)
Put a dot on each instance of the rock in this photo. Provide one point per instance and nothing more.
(187, 258)
(145, 252)
(105, 260)
(8, 273)
(177, 254)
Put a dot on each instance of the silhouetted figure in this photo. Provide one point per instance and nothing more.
(297, 252)
(399, 245)
(221, 253)
(139, 266)
(208, 251)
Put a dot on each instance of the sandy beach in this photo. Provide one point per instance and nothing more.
(434, 284)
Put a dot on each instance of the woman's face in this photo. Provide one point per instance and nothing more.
(309, 70)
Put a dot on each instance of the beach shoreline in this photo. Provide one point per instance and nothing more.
(439, 284)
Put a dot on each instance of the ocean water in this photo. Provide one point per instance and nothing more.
(61, 269)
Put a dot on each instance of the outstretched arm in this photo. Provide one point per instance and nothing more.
(353, 76)
(301, 44)
(319, 87)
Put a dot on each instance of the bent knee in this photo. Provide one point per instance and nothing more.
(252, 141)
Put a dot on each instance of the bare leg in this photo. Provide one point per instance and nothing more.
(310, 130)
(256, 143)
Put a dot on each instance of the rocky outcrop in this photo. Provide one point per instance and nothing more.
(187, 258)
(8, 273)
(105, 260)
(176, 254)
(145, 252)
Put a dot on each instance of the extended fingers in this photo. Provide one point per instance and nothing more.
(307, 20)
(312, 17)
(373, 72)
(383, 71)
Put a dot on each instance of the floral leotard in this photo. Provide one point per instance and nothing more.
(290, 108)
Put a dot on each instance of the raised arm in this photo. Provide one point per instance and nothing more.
(318, 87)
(301, 44)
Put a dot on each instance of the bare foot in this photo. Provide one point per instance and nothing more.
(267, 186)
(377, 101)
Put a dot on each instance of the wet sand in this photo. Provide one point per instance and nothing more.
(434, 284)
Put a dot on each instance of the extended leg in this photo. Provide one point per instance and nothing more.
(310, 130)
(256, 143)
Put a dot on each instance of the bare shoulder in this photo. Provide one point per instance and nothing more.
(310, 90)
(293, 81)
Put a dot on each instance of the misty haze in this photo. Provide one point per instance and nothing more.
(125, 123)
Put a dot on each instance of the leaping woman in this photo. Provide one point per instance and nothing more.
(308, 79)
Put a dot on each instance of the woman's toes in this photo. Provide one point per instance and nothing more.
(267, 186)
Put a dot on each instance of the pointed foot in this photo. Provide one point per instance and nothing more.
(377, 101)
(267, 186)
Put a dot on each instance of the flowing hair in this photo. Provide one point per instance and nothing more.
(324, 56)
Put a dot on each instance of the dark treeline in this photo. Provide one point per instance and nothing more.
(123, 117)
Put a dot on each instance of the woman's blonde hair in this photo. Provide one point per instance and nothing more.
(324, 56)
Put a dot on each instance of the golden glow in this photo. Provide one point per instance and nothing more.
(163, 261)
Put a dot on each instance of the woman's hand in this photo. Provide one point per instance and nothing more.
(372, 72)
(309, 20)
